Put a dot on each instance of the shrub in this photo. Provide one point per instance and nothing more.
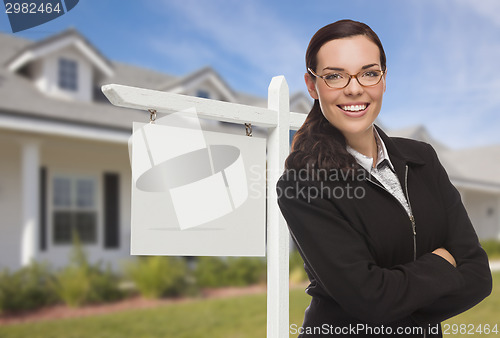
(158, 276)
(28, 288)
(104, 285)
(73, 285)
(242, 271)
(295, 260)
(232, 271)
(82, 283)
(297, 273)
(209, 272)
(492, 248)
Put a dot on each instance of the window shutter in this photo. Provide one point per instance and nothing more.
(42, 233)
(111, 211)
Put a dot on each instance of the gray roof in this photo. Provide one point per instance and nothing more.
(462, 164)
(15, 89)
(207, 69)
(11, 45)
(420, 133)
(18, 96)
(131, 75)
(480, 164)
(66, 33)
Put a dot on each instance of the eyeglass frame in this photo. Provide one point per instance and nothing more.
(349, 80)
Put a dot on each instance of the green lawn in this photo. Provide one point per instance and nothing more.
(229, 318)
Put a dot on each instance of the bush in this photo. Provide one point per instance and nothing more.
(73, 285)
(82, 283)
(232, 271)
(29, 288)
(209, 272)
(295, 260)
(492, 248)
(297, 273)
(242, 271)
(159, 276)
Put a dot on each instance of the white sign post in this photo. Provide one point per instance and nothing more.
(279, 120)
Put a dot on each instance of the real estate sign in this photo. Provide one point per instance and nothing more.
(196, 192)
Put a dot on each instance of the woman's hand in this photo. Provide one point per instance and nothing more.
(446, 255)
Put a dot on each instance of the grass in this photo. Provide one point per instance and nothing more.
(238, 317)
(486, 312)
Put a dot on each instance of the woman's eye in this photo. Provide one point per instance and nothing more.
(371, 73)
(333, 76)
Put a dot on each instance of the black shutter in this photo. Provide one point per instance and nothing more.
(111, 210)
(42, 230)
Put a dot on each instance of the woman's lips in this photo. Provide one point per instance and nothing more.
(354, 110)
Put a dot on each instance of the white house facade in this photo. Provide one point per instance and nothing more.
(64, 163)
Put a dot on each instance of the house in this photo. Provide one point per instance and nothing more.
(475, 173)
(65, 164)
(64, 159)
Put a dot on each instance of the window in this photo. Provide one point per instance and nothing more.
(74, 209)
(68, 74)
(204, 94)
(490, 212)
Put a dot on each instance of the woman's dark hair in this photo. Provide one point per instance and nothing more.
(318, 144)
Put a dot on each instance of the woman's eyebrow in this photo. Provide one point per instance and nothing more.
(342, 69)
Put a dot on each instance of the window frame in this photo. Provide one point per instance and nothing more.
(95, 209)
(67, 74)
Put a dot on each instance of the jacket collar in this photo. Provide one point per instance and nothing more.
(398, 153)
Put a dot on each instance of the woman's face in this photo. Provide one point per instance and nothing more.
(352, 109)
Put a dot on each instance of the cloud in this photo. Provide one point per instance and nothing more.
(443, 56)
(247, 33)
(450, 83)
(487, 9)
(184, 56)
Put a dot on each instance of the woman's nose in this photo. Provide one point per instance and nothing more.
(353, 87)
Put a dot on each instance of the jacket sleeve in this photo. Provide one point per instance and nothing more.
(339, 259)
(463, 244)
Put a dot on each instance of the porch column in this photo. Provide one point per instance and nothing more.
(30, 167)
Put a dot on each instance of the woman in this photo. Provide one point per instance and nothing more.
(386, 241)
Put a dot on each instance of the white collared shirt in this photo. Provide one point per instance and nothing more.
(383, 171)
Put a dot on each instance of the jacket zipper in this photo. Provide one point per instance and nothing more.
(414, 227)
(411, 217)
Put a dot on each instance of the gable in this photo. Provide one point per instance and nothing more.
(202, 83)
(69, 39)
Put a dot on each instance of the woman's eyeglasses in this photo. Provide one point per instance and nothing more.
(339, 80)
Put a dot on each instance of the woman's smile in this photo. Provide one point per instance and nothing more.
(357, 109)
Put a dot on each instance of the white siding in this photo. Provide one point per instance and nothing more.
(89, 159)
(483, 210)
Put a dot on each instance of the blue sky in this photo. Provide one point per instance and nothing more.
(443, 56)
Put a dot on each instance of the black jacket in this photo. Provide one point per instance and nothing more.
(364, 260)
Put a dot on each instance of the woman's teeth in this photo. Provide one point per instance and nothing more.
(354, 108)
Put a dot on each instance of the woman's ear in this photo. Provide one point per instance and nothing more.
(311, 85)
